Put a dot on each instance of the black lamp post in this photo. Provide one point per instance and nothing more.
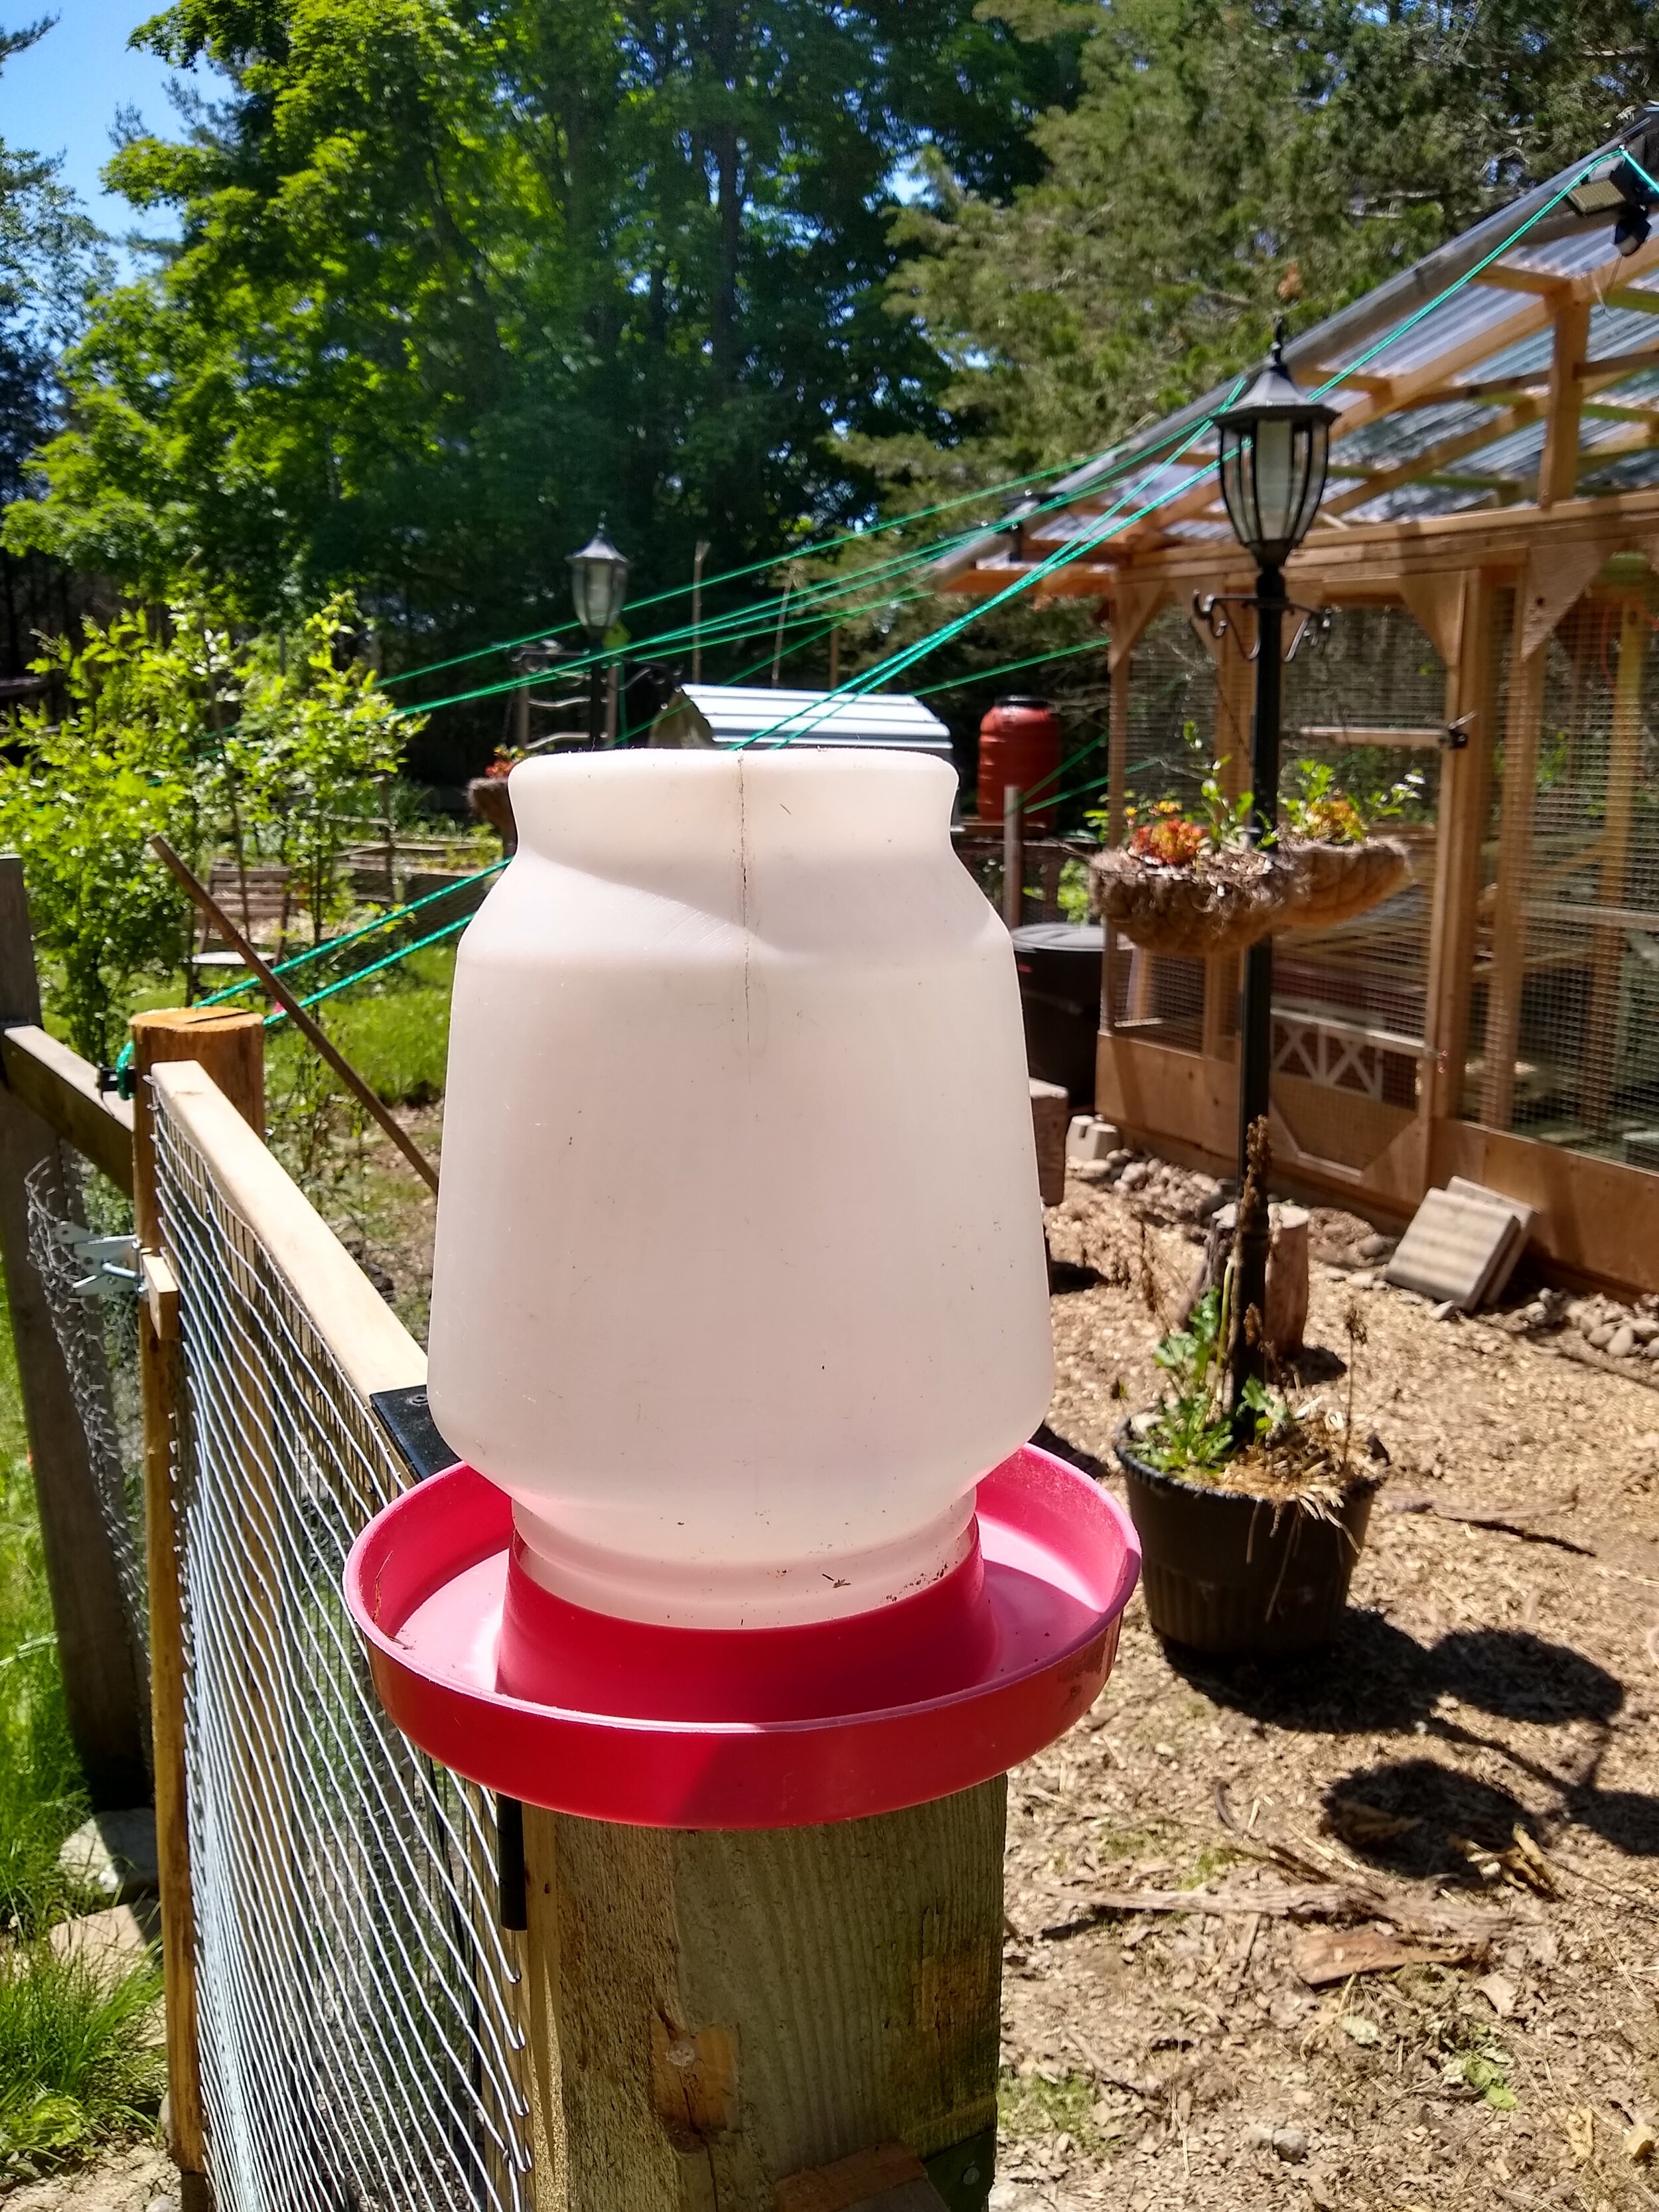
(1275, 444)
(599, 586)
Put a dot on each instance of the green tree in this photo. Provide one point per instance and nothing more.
(1226, 160)
(454, 280)
(268, 745)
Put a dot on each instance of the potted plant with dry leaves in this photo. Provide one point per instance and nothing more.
(1190, 884)
(1250, 1501)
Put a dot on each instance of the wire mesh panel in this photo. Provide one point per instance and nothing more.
(359, 2044)
(1364, 708)
(80, 1247)
(1565, 1028)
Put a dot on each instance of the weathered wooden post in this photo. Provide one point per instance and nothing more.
(763, 1595)
(1013, 856)
(230, 1047)
(103, 1684)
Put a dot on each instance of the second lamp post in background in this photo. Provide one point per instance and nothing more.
(599, 586)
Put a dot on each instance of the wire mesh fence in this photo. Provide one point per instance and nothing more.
(360, 2040)
(1566, 1021)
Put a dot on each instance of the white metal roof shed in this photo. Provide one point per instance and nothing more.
(736, 712)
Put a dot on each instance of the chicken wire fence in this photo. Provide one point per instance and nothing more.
(81, 1246)
(360, 2041)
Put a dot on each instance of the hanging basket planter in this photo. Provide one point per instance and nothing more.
(1224, 900)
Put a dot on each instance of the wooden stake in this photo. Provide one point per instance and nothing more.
(103, 1683)
(314, 1034)
(229, 1047)
(712, 2014)
(1013, 856)
(1607, 961)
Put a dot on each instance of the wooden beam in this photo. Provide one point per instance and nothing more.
(1607, 960)
(103, 1683)
(1522, 729)
(1438, 603)
(62, 1088)
(1613, 368)
(1558, 469)
(1117, 750)
(1434, 458)
(1465, 791)
(1555, 580)
(1506, 277)
(1133, 606)
(374, 1348)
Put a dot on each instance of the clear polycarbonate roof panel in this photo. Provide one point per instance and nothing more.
(1451, 330)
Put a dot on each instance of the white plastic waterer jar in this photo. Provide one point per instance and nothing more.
(740, 1284)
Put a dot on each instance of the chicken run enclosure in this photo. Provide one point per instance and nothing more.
(1476, 635)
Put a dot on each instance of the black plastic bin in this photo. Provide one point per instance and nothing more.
(1059, 972)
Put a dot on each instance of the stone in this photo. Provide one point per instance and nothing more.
(1622, 1342)
(1290, 2144)
(114, 1853)
(111, 1942)
(1089, 1138)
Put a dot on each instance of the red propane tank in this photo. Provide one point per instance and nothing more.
(1019, 744)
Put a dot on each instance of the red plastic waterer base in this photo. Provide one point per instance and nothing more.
(745, 1727)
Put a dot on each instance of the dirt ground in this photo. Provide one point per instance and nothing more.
(1472, 1774)
(137, 2178)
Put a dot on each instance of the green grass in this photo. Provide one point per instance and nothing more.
(394, 1030)
(80, 2062)
(77, 2062)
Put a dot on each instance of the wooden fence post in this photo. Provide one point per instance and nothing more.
(103, 1682)
(1013, 856)
(1465, 802)
(714, 2012)
(1607, 960)
(230, 1047)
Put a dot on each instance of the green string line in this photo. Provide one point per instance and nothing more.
(811, 551)
(395, 914)
(362, 974)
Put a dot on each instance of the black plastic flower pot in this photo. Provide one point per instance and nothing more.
(1237, 1575)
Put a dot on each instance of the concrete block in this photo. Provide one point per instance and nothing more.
(1088, 1140)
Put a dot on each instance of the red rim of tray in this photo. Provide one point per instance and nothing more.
(425, 1583)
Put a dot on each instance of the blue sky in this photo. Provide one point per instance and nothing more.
(61, 96)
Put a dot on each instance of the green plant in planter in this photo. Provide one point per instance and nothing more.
(1193, 1435)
